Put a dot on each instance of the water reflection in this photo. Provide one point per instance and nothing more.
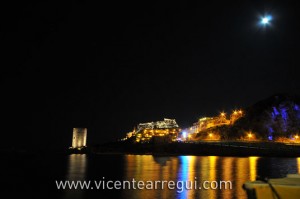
(212, 173)
(161, 160)
(184, 174)
(298, 162)
(77, 164)
(147, 167)
(252, 165)
(197, 168)
(228, 175)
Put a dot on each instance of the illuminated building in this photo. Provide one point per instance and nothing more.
(79, 137)
(168, 128)
(194, 128)
(129, 135)
(210, 122)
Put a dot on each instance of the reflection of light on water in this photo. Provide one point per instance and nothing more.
(187, 175)
(298, 164)
(227, 164)
(76, 171)
(77, 167)
(238, 170)
(148, 167)
(203, 174)
(242, 175)
(183, 175)
(192, 175)
(212, 173)
(212, 169)
(252, 165)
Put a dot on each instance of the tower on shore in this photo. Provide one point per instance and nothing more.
(79, 137)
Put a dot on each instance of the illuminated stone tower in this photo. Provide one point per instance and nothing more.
(79, 137)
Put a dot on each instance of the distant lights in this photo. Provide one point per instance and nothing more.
(250, 135)
(270, 137)
(236, 112)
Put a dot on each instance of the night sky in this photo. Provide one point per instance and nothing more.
(110, 66)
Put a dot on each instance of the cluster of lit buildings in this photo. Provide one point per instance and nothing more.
(210, 122)
(168, 130)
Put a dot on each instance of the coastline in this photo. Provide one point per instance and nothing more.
(205, 148)
(234, 149)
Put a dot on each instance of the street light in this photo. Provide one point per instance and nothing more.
(249, 136)
(184, 135)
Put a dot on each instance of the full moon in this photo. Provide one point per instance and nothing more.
(265, 20)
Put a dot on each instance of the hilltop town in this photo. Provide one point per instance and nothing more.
(168, 130)
(274, 119)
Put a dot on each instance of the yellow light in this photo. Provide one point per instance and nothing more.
(296, 136)
(240, 111)
(210, 135)
(235, 112)
(189, 135)
(249, 135)
(222, 114)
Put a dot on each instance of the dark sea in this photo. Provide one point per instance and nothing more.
(36, 176)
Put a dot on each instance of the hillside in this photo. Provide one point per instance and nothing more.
(274, 117)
